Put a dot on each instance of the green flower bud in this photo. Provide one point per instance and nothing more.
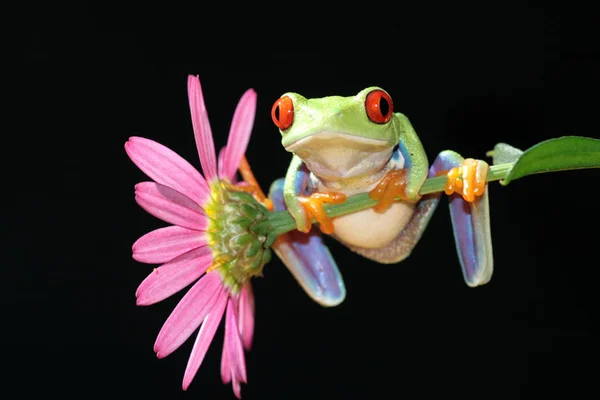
(239, 253)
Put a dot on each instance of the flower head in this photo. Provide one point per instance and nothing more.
(209, 241)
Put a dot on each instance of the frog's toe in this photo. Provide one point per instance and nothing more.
(468, 179)
(392, 184)
(313, 206)
(255, 191)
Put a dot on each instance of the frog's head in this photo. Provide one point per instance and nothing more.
(337, 136)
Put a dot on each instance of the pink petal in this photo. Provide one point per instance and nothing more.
(237, 389)
(235, 349)
(202, 131)
(164, 244)
(220, 163)
(227, 373)
(188, 314)
(173, 276)
(170, 206)
(166, 167)
(225, 364)
(204, 338)
(239, 134)
(246, 315)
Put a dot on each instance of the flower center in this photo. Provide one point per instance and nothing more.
(238, 252)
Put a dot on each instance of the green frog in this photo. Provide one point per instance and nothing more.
(343, 146)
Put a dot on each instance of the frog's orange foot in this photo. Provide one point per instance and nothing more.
(256, 192)
(251, 185)
(467, 180)
(313, 205)
(391, 185)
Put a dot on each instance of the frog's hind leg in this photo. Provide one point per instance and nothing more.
(308, 258)
(470, 222)
(470, 215)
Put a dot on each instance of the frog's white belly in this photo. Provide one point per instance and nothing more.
(370, 229)
(367, 228)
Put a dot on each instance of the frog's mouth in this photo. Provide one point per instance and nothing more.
(335, 155)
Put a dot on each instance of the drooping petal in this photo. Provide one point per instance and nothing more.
(202, 131)
(164, 244)
(188, 314)
(166, 167)
(205, 337)
(173, 276)
(225, 364)
(246, 315)
(170, 206)
(239, 134)
(237, 389)
(227, 372)
(235, 349)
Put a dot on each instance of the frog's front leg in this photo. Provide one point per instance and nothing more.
(407, 170)
(304, 207)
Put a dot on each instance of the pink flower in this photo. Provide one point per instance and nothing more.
(189, 249)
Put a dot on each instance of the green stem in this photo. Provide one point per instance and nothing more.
(280, 222)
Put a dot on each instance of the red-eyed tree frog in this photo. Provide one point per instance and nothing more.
(347, 145)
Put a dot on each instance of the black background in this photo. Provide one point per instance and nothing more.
(479, 76)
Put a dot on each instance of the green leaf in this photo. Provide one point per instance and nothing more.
(560, 154)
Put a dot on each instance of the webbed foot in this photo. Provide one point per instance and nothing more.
(467, 180)
(391, 185)
(255, 191)
(313, 207)
(250, 184)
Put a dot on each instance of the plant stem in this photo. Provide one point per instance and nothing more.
(280, 222)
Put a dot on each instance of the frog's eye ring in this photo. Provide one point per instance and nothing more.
(379, 106)
(283, 113)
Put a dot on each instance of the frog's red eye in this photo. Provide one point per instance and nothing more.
(283, 113)
(379, 106)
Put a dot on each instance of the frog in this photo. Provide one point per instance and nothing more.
(347, 145)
